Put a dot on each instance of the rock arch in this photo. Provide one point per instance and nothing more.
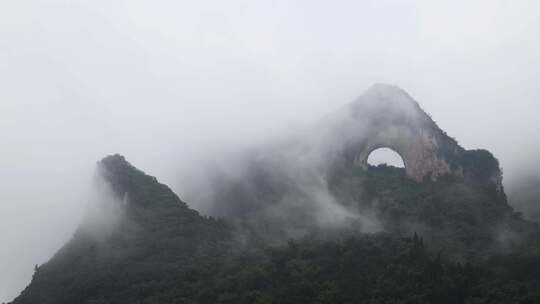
(387, 116)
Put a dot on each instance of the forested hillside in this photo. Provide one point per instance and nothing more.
(159, 250)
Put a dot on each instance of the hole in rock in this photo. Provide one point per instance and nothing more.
(385, 156)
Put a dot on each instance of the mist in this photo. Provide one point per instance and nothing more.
(177, 86)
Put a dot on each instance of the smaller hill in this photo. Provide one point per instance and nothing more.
(153, 237)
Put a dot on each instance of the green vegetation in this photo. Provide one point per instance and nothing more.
(369, 269)
(470, 248)
(465, 219)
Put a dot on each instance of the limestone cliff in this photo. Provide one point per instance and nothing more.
(392, 119)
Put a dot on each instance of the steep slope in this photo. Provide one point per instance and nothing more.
(391, 118)
(151, 238)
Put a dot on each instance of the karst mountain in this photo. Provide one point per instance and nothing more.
(306, 219)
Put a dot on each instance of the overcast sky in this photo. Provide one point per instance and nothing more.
(169, 83)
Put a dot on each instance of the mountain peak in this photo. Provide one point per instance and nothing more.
(114, 159)
(133, 185)
(384, 87)
(387, 97)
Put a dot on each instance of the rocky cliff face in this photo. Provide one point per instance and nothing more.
(392, 119)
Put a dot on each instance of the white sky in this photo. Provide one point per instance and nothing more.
(385, 156)
(167, 83)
